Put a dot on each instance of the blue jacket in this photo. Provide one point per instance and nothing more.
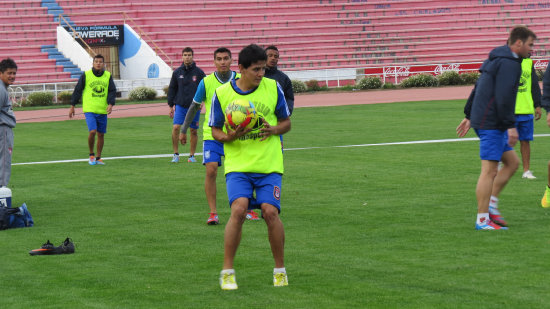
(494, 102)
(183, 85)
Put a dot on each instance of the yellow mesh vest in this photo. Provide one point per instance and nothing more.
(94, 96)
(524, 99)
(248, 154)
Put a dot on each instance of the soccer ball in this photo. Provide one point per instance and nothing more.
(241, 113)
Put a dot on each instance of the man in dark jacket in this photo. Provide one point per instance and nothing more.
(493, 118)
(181, 91)
(527, 109)
(272, 72)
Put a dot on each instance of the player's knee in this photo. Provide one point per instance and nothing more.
(239, 208)
(193, 132)
(270, 213)
(514, 164)
(211, 174)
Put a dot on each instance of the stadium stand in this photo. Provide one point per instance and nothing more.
(28, 35)
(311, 34)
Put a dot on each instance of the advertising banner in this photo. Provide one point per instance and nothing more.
(99, 35)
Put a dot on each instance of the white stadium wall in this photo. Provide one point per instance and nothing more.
(70, 48)
(138, 60)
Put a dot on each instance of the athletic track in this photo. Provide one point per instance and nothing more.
(301, 100)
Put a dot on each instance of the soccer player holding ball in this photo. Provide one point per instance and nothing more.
(253, 158)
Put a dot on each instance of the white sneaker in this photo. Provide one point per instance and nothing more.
(175, 158)
(227, 280)
(280, 279)
(528, 175)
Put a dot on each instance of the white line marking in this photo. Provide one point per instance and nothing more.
(452, 140)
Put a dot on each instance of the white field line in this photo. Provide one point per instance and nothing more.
(452, 140)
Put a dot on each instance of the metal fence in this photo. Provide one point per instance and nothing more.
(330, 77)
(19, 92)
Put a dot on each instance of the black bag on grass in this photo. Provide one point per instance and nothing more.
(15, 217)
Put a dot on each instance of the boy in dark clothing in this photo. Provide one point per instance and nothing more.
(181, 91)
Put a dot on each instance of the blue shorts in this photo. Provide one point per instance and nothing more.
(493, 143)
(525, 126)
(266, 186)
(179, 117)
(212, 151)
(96, 122)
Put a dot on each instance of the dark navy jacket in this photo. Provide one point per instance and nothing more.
(494, 102)
(285, 83)
(183, 85)
(546, 90)
(535, 93)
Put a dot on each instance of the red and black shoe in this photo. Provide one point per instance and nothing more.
(67, 247)
(47, 249)
(498, 219)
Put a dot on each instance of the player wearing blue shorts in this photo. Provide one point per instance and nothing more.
(212, 149)
(253, 159)
(182, 88)
(98, 93)
(527, 110)
(493, 118)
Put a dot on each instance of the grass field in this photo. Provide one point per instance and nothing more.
(379, 226)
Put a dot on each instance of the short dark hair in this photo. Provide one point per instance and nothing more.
(7, 63)
(99, 56)
(188, 50)
(520, 33)
(251, 54)
(272, 47)
(222, 50)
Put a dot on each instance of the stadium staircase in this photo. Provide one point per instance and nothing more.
(311, 34)
(28, 35)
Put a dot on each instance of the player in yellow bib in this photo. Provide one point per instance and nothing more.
(253, 158)
(212, 149)
(528, 109)
(98, 93)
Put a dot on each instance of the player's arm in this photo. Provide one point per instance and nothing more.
(289, 94)
(172, 91)
(200, 96)
(282, 127)
(111, 92)
(464, 125)
(535, 93)
(283, 118)
(545, 100)
(77, 93)
(191, 112)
